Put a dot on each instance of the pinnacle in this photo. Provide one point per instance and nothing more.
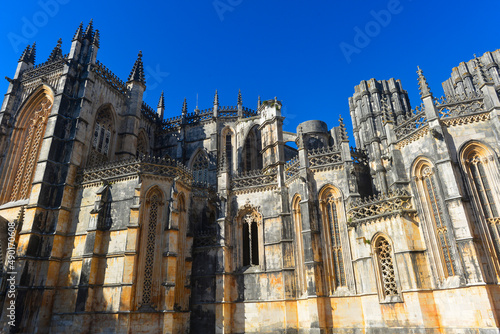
(343, 131)
(137, 73)
(32, 54)
(96, 38)
(161, 103)
(184, 107)
(79, 32)
(216, 98)
(240, 100)
(89, 31)
(25, 55)
(56, 52)
(422, 84)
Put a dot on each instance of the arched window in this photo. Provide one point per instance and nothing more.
(249, 241)
(385, 269)
(200, 167)
(180, 274)
(101, 137)
(227, 145)
(31, 149)
(251, 157)
(484, 182)
(331, 204)
(142, 144)
(299, 247)
(435, 219)
(149, 239)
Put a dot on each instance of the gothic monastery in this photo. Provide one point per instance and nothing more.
(116, 220)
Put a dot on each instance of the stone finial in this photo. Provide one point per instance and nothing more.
(25, 55)
(480, 75)
(97, 38)
(79, 33)
(240, 100)
(216, 98)
(343, 132)
(161, 103)
(422, 84)
(89, 31)
(184, 107)
(137, 73)
(57, 52)
(259, 103)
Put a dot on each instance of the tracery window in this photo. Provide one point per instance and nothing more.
(101, 138)
(250, 239)
(434, 215)
(297, 220)
(200, 167)
(142, 145)
(385, 265)
(330, 204)
(31, 149)
(483, 177)
(251, 157)
(154, 202)
(229, 150)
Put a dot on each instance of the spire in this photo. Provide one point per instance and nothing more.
(137, 73)
(216, 98)
(184, 107)
(96, 38)
(32, 54)
(343, 131)
(24, 57)
(78, 33)
(161, 103)
(259, 103)
(422, 84)
(56, 53)
(240, 100)
(89, 31)
(481, 77)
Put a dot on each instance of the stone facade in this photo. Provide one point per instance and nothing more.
(208, 222)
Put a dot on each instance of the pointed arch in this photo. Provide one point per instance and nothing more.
(249, 237)
(101, 143)
(385, 268)
(228, 146)
(480, 165)
(299, 244)
(25, 143)
(332, 214)
(438, 230)
(199, 165)
(251, 156)
(142, 143)
(149, 259)
(180, 274)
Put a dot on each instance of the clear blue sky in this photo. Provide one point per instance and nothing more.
(295, 50)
